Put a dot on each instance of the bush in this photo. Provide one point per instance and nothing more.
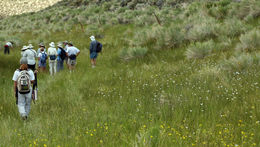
(199, 50)
(129, 53)
(201, 28)
(249, 41)
(232, 27)
(237, 63)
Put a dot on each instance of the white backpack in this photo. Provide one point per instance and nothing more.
(24, 82)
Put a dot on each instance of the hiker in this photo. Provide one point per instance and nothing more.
(72, 53)
(61, 57)
(23, 78)
(65, 43)
(42, 57)
(23, 50)
(7, 47)
(41, 45)
(52, 53)
(31, 55)
(95, 48)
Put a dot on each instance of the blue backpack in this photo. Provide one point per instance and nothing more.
(43, 58)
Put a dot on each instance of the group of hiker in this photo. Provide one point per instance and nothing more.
(25, 78)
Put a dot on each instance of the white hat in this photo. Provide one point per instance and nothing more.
(92, 38)
(52, 44)
(59, 45)
(30, 46)
(24, 48)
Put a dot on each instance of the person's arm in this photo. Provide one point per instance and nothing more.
(78, 53)
(91, 46)
(15, 87)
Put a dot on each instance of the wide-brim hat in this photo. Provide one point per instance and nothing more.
(30, 46)
(65, 42)
(41, 45)
(70, 43)
(24, 48)
(59, 45)
(52, 44)
(92, 37)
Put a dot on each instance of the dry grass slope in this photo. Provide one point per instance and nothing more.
(16, 7)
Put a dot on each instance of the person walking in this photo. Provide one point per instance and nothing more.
(42, 57)
(94, 48)
(7, 47)
(52, 53)
(31, 55)
(61, 57)
(65, 43)
(23, 50)
(23, 78)
(72, 53)
(41, 45)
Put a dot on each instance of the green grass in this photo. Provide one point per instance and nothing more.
(161, 99)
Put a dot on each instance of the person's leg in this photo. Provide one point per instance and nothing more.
(61, 65)
(51, 66)
(55, 67)
(58, 66)
(5, 51)
(8, 50)
(21, 104)
(28, 100)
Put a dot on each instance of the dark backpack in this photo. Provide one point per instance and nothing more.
(53, 57)
(99, 47)
(43, 58)
(62, 54)
(72, 57)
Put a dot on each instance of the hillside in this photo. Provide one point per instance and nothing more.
(16, 7)
(177, 73)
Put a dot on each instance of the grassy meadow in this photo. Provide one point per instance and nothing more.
(191, 81)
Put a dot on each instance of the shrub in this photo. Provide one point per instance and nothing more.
(199, 50)
(249, 41)
(132, 52)
(201, 28)
(232, 27)
(237, 63)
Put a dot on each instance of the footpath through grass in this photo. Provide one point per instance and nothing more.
(162, 99)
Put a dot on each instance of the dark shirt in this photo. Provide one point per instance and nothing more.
(93, 46)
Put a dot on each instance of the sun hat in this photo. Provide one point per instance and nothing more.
(30, 46)
(70, 43)
(92, 38)
(59, 45)
(65, 42)
(52, 44)
(41, 44)
(24, 48)
(23, 60)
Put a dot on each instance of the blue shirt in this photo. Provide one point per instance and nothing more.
(93, 46)
(59, 53)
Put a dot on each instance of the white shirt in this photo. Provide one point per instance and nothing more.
(72, 50)
(52, 51)
(30, 54)
(9, 44)
(17, 73)
(66, 48)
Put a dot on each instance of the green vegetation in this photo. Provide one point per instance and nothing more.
(180, 74)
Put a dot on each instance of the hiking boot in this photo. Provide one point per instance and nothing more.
(24, 117)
